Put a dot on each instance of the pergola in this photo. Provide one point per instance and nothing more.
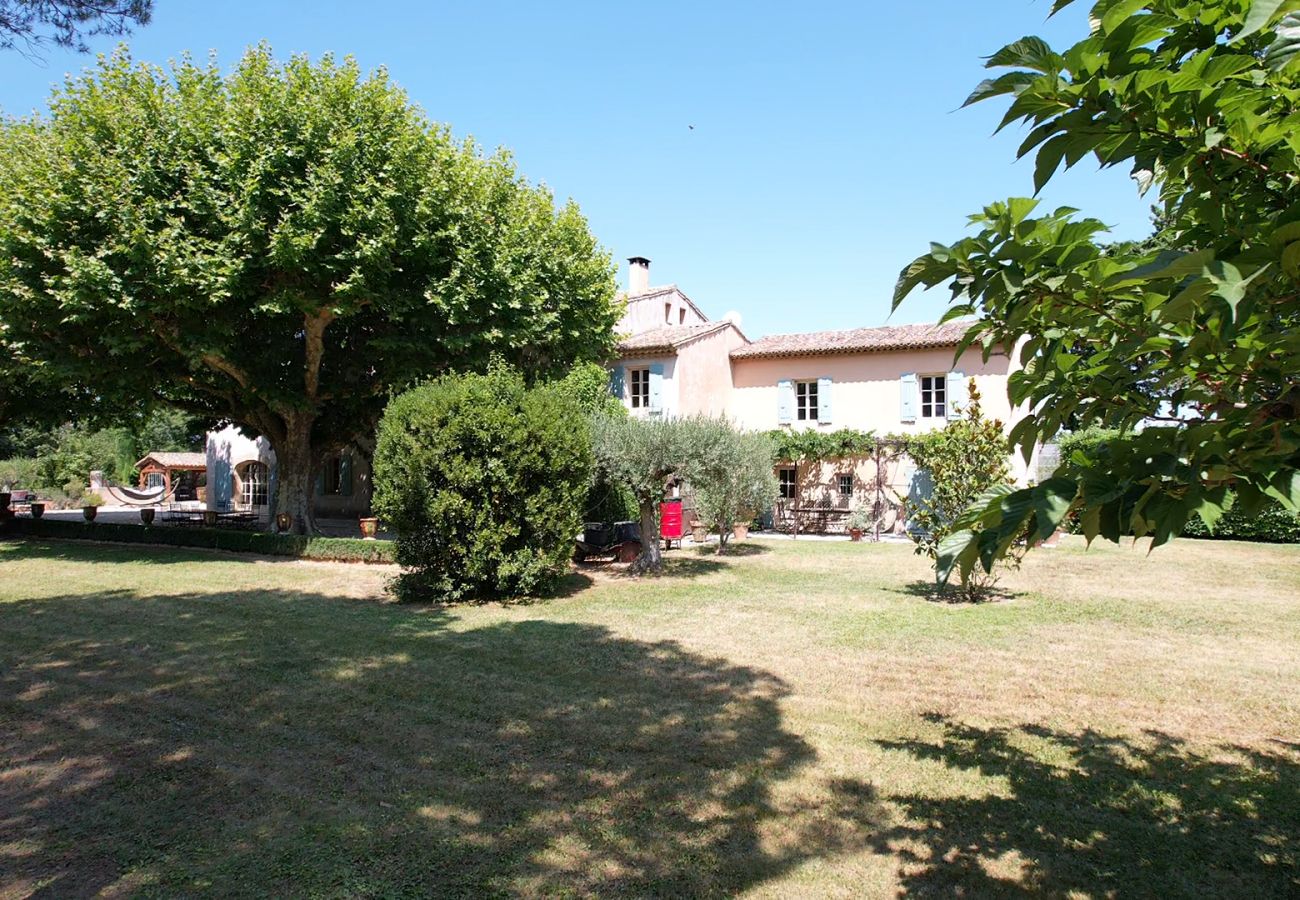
(172, 466)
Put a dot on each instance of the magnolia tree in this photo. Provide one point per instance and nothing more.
(1201, 338)
(280, 247)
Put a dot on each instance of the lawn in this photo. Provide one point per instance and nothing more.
(798, 720)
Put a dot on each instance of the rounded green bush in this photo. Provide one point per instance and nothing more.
(483, 479)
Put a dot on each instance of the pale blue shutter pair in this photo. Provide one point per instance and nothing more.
(618, 380)
(785, 401)
(910, 396)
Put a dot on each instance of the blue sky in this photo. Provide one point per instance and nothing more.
(828, 148)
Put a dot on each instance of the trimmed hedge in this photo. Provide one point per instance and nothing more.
(293, 545)
(1272, 524)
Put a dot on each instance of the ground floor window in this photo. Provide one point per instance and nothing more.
(336, 477)
(846, 485)
(639, 385)
(254, 479)
(788, 482)
(153, 480)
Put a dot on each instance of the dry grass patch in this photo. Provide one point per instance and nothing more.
(793, 721)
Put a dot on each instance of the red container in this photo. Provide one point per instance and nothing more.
(670, 520)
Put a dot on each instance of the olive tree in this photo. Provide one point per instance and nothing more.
(281, 247)
(735, 480)
(1188, 344)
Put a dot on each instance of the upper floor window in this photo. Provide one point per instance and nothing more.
(681, 316)
(639, 388)
(934, 396)
(668, 314)
(805, 395)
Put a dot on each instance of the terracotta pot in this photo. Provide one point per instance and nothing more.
(90, 512)
(699, 534)
(739, 532)
(210, 517)
(283, 522)
(38, 510)
(855, 534)
(146, 515)
(369, 526)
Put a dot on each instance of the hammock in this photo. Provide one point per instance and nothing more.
(131, 497)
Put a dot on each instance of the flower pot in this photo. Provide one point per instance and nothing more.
(369, 526)
(739, 532)
(146, 515)
(855, 534)
(210, 518)
(283, 522)
(89, 512)
(38, 510)
(699, 533)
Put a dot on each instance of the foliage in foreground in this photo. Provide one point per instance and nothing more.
(295, 545)
(735, 482)
(961, 462)
(1198, 98)
(279, 245)
(483, 479)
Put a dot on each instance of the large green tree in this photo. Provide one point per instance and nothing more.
(280, 247)
(1188, 344)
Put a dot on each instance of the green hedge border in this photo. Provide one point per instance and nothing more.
(292, 545)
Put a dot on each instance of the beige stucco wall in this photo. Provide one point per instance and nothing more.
(703, 374)
(646, 314)
(866, 387)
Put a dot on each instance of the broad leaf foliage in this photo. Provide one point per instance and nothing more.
(1189, 343)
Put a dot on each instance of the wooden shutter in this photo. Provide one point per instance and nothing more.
(617, 376)
(656, 387)
(907, 396)
(785, 401)
(824, 400)
(957, 395)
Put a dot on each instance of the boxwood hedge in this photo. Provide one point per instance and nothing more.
(293, 545)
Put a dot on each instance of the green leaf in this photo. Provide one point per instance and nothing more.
(1051, 504)
(1286, 44)
(1167, 264)
(1030, 52)
(1119, 12)
(1049, 159)
(1260, 14)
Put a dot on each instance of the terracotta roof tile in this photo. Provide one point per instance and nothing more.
(170, 459)
(856, 340)
(668, 338)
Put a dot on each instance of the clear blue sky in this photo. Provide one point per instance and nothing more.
(827, 151)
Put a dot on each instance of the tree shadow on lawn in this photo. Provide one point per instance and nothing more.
(927, 589)
(1108, 816)
(286, 742)
(734, 548)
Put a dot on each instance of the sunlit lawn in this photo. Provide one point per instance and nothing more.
(796, 721)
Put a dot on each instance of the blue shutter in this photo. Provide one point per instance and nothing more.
(656, 387)
(907, 396)
(824, 400)
(958, 395)
(785, 401)
(345, 475)
(617, 376)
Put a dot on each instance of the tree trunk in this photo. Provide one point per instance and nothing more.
(651, 558)
(293, 459)
(724, 532)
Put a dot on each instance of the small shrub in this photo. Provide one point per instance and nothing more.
(484, 481)
(92, 499)
(962, 460)
(1272, 524)
(733, 480)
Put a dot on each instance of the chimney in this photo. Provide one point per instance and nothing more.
(638, 275)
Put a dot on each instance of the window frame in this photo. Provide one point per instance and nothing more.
(250, 487)
(935, 388)
(845, 479)
(788, 481)
(638, 387)
(807, 401)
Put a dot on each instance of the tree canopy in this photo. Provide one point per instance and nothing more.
(1188, 344)
(280, 247)
(67, 23)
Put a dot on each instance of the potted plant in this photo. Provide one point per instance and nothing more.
(859, 522)
(699, 532)
(210, 518)
(90, 505)
(146, 515)
(283, 522)
(740, 531)
(37, 508)
(369, 527)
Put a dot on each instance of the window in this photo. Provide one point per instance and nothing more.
(153, 479)
(668, 314)
(335, 476)
(789, 485)
(846, 485)
(805, 395)
(253, 484)
(681, 316)
(934, 396)
(639, 388)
